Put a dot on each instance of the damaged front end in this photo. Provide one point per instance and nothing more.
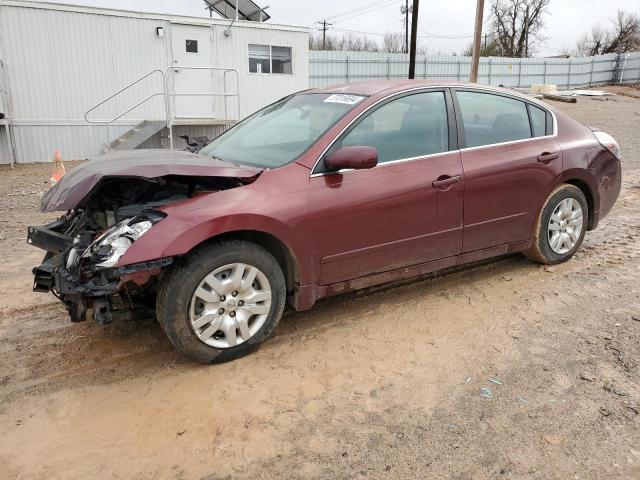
(80, 266)
(111, 202)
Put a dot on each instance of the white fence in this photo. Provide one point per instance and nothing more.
(329, 67)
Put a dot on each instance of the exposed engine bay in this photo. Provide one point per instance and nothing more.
(84, 245)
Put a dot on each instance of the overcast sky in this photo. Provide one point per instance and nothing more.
(567, 19)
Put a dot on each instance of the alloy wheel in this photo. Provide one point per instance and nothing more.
(565, 226)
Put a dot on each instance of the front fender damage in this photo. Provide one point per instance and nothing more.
(83, 247)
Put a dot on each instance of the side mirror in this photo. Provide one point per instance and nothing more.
(352, 157)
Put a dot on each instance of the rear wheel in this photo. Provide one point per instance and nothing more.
(221, 301)
(561, 226)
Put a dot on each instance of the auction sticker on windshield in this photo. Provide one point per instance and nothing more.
(342, 98)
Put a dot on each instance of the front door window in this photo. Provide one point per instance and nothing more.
(408, 127)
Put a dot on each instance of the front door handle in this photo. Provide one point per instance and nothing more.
(547, 157)
(445, 181)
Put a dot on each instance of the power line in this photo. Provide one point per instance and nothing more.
(445, 37)
(357, 9)
(344, 30)
(395, 22)
(365, 12)
(376, 4)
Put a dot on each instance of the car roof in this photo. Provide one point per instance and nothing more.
(385, 87)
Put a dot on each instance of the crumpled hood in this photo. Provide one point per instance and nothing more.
(79, 182)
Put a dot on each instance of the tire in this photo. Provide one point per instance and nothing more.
(177, 302)
(543, 248)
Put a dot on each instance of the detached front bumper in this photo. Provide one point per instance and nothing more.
(78, 283)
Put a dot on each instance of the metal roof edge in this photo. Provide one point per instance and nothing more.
(184, 19)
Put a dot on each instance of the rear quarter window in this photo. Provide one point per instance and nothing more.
(538, 121)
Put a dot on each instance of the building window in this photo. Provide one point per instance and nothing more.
(270, 59)
(191, 46)
(281, 60)
(260, 58)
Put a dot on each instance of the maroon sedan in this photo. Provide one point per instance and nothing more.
(325, 191)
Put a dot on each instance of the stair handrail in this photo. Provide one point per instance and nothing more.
(148, 74)
(170, 92)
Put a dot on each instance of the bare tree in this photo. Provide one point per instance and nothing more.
(392, 43)
(517, 26)
(348, 42)
(355, 43)
(490, 47)
(623, 36)
(593, 42)
(315, 42)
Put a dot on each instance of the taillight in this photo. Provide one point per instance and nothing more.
(608, 142)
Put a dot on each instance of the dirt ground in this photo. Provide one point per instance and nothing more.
(506, 370)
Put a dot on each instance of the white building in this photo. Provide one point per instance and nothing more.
(191, 74)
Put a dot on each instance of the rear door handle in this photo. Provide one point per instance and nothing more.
(445, 181)
(547, 157)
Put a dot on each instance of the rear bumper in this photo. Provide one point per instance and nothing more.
(609, 186)
(606, 173)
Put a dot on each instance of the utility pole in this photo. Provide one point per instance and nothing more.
(406, 26)
(477, 37)
(526, 32)
(414, 39)
(325, 27)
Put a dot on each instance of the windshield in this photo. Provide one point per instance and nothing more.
(280, 133)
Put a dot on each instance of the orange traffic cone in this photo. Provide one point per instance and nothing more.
(58, 167)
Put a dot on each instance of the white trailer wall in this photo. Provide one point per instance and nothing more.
(256, 88)
(61, 60)
(60, 63)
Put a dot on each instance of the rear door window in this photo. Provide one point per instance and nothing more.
(490, 119)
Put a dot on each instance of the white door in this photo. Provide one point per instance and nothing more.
(192, 47)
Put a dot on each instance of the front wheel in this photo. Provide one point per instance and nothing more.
(221, 301)
(561, 226)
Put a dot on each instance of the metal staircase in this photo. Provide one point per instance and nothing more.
(146, 129)
(137, 135)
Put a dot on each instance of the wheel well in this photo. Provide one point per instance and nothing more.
(588, 195)
(271, 244)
